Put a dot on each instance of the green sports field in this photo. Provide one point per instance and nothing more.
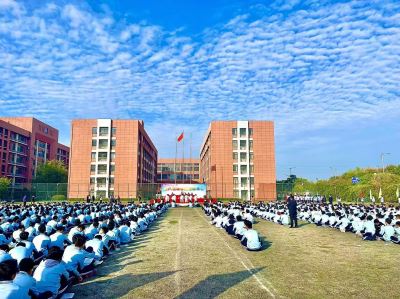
(183, 256)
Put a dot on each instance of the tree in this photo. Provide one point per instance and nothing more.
(4, 185)
(52, 171)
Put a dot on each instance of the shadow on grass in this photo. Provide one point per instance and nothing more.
(265, 244)
(215, 285)
(120, 285)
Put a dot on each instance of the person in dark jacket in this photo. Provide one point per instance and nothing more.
(292, 206)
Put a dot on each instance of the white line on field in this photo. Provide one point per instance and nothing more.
(178, 256)
(241, 261)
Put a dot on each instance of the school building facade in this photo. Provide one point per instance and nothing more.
(110, 158)
(179, 170)
(238, 160)
(25, 143)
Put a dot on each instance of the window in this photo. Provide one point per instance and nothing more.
(250, 132)
(251, 145)
(113, 131)
(112, 169)
(244, 195)
(92, 169)
(252, 182)
(234, 132)
(235, 183)
(235, 169)
(103, 131)
(102, 169)
(251, 169)
(103, 143)
(243, 182)
(243, 169)
(234, 144)
(236, 194)
(94, 131)
(112, 157)
(242, 132)
(93, 157)
(243, 144)
(92, 181)
(94, 143)
(251, 156)
(101, 182)
(243, 157)
(103, 156)
(113, 143)
(235, 157)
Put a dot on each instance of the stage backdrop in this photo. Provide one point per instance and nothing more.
(177, 189)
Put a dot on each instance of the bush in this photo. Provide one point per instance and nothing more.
(58, 197)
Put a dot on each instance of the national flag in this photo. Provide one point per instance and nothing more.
(180, 137)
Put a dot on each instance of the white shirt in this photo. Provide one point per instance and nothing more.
(253, 241)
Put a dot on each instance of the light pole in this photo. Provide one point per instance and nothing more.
(383, 161)
(290, 170)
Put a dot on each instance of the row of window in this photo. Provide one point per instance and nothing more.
(101, 169)
(242, 132)
(242, 145)
(103, 131)
(243, 157)
(103, 143)
(102, 156)
(179, 177)
(243, 169)
(165, 167)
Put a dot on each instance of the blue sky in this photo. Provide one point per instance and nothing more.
(327, 72)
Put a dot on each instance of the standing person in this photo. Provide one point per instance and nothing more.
(292, 206)
(24, 199)
(88, 199)
(33, 199)
(330, 199)
(93, 198)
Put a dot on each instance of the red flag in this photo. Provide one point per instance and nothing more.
(180, 137)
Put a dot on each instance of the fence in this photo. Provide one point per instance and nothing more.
(59, 191)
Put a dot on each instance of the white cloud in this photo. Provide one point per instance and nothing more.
(309, 69)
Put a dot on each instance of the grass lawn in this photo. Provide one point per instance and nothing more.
(183, 256)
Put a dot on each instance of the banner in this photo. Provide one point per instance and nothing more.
(177, 189)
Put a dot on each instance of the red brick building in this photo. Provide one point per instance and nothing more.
(25, 142)
(238, 160)
(110, 157)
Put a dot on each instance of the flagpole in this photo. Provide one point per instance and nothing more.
(190, 159)
(183, 157)
(176, 154)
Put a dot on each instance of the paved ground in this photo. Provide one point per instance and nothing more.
(183, 256)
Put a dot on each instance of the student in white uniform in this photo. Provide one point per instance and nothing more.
(24, 277)
(8, 289)
(387, 230)
(250, 237)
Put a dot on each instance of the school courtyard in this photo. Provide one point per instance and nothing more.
(183, 256)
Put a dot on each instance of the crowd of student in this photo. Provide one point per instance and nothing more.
(44, 248)
(368, 221)
(237, 221)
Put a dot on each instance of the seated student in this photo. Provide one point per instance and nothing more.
(28, 245)
(19, 252)
(51, 275)
(75, 258)
(24, 277)
(15, 234)
(97, 246)
(8, 289)
(396, 237)
(248, 216)
(41, 242)
(113, 234)
(92, 230)
(387, 231)
(58, 238)
(31, 230)
(250, 237)
(4, 255)
(231, 222)
(238, 227)
(108, 243)
(369, 233)
(3, 238)
(125, 233)
(285, 219)
(76, 230)
(217, 219)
